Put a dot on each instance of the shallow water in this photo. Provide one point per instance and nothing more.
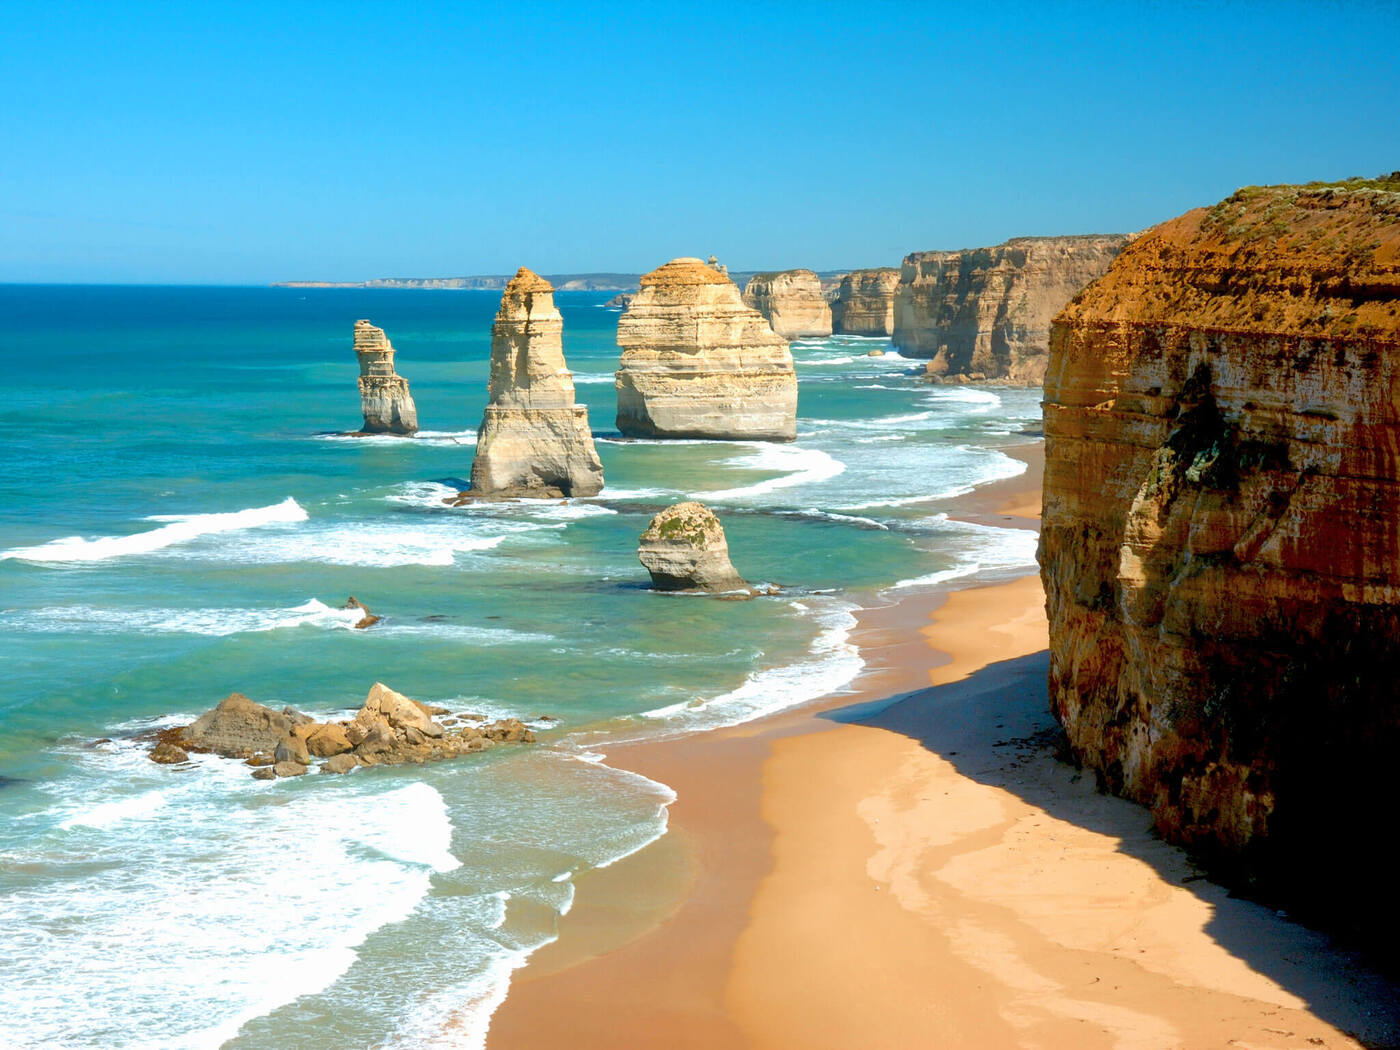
(176, 523)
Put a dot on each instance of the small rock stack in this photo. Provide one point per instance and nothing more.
(388, 407)
(684, 549)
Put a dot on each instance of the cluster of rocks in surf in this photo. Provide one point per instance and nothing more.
(390, 729)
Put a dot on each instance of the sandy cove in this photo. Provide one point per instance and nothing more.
(907, 865)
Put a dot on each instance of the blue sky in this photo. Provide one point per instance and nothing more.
(251, 142)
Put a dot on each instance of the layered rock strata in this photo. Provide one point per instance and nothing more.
(684, 549)
(389, 729)
(1221, 542)
(792, 301)
(985, 313)
(384, 398)
(698, 363)
(533, 438)
(864, 304)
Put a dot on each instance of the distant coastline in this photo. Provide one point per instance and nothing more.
(563, 282)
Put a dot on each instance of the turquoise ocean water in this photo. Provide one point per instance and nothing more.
(176, 524)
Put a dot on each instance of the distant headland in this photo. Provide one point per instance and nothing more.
(562, 282)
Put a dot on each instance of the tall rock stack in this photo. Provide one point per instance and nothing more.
(1221, 541)
(534, 440)
(698, 363)
(864, 304)
(792, 301)
(985, 313)
(384, 398)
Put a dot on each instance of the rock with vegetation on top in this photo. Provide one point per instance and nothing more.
(684, 549)
(534, 440)
(864, 303)
(698, 363)
(792, 301)
(1219, 549)
(388, 407)
(985, 313)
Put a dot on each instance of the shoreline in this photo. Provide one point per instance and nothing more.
(812, 889)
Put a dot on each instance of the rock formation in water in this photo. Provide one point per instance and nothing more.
(792, 301)
(698, 363)
(684, 549)
(864, 304)
(390, 729)
(1221, 542)
(388, 407)
(985, 313)
(620, 301)
(534, 440)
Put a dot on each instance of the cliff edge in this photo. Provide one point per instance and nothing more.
(1221, 540)
(985, 313)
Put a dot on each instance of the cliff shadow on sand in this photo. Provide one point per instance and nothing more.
(995, 728)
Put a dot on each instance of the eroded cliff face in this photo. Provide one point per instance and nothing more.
(792, 301)
(864, 304)
(985, 313)
(698, 363)
(1221, 540)
(384, 398)
(533, 438)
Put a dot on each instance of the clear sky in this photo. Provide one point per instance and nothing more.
(254, 142)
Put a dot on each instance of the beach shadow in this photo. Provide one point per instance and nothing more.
(995, 728)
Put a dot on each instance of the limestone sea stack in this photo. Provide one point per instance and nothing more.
(985, 313)
(534, 440)
(864, 304)
(698, 363)
(792, 301)
(684, 549)
(388, 407)
(1220, 551)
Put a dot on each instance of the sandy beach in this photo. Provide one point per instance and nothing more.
(909, 865)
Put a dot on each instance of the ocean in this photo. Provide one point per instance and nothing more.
(179, 519)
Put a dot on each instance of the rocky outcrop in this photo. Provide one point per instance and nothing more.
(698, 363)
(792, 301)
(388, 407)
(684, 549)
(864, 304)
(533, 438)
(985, 313)
(1221, 542)
(620, 301)
(390, 729)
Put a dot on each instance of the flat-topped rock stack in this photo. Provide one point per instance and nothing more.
(384, 398)
(793, 302)
(684, 549)
(534, 440)
(698, 363)
(984, 313)
(864, 304)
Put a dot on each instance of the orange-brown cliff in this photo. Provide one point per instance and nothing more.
(1221, 542)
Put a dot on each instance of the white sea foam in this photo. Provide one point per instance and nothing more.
(588, 378)
(430, 437)
(801, 466)
(831, 662)
(181, 927)
(983, 549)
(216, 622)
(181, 528)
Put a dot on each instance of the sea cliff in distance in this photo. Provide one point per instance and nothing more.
(562, 282)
